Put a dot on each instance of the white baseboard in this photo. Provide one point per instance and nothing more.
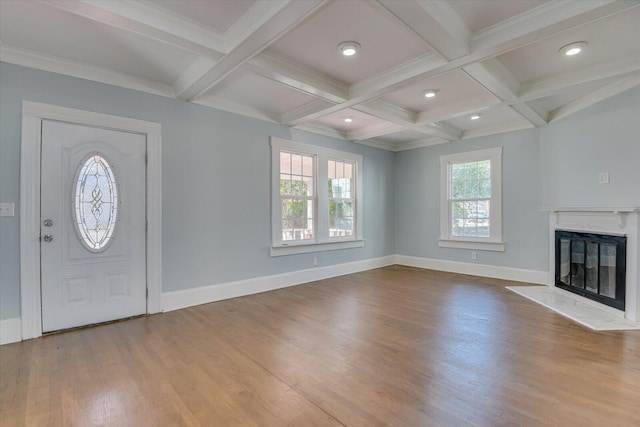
(483, 270)
(10, 330)
(195, 296)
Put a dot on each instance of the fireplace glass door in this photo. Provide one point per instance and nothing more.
(592, 265)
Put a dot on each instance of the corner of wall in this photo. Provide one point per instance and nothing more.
(10, 330)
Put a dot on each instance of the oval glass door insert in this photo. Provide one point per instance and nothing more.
(95, 203)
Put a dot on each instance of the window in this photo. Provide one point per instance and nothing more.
(471, 200)
(297, 196)
(315, 198)
(95, 203)
(341, 198)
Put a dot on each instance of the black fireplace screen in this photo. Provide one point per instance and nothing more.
(592, 265)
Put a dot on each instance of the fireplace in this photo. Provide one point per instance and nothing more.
(595, 245)
(592, 265)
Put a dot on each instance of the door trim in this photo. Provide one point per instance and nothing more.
(32, 116)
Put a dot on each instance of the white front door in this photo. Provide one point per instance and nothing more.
(93, 221)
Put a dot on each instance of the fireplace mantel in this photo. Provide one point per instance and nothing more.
(620, 212)
(614, 220)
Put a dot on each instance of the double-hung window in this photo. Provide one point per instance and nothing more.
(316, 198)
(471, 200)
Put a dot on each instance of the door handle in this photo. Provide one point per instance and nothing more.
(48, 237)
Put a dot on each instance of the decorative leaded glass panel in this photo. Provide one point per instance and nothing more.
(95, 203)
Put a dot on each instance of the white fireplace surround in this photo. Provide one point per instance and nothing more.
(617, 221)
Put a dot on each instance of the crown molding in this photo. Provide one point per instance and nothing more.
(148, 20)
(54, 64)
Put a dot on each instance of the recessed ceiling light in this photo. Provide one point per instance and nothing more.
(475, 116)
(348, 119)
(349, 48)
(430, 93)
(573, 48)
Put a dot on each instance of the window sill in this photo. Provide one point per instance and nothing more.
(303, 248)
(472, 244)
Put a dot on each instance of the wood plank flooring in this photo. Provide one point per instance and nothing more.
(395, 346)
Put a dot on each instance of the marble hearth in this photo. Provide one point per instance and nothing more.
(616, 221)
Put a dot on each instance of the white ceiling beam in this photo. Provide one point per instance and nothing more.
(420, 143)
(543, 21)
(374, 131)
(436, 22)
(304, 110)
(387, 111)
(322, 129)
(403, 75)
(306, 81)
(525, 28)
(288, 17)
(452, 111)
(402, 117)
(495, 77)
(148, 21)
(373, 88)
(258, 14)
(534, 115)
(197, 70)
(594, 97)
(280, 71)
(509, 127)
(498, 80)
(561, 83)
(232, 107)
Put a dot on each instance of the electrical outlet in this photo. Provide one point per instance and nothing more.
(474, 255)
(603, 178)
(7, 209)
(315, 261)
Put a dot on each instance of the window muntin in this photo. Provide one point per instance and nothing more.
(95, 203)
(297, 195)
(471, 200)
(341, 193)
(318, 210)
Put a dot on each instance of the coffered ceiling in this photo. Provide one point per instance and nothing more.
(278, 60)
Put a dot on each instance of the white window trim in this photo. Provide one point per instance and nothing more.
(494, 241)
(322, 241)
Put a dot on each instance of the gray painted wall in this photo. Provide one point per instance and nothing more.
(216, 173)
(557, 165)
(418, 197)
(206, 243)
(602, 138)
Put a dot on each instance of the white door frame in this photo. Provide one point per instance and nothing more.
(32, 116)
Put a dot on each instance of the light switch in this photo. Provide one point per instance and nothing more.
(7, 209)
(604, 178)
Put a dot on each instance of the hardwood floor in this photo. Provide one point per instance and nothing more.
(395, 346)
